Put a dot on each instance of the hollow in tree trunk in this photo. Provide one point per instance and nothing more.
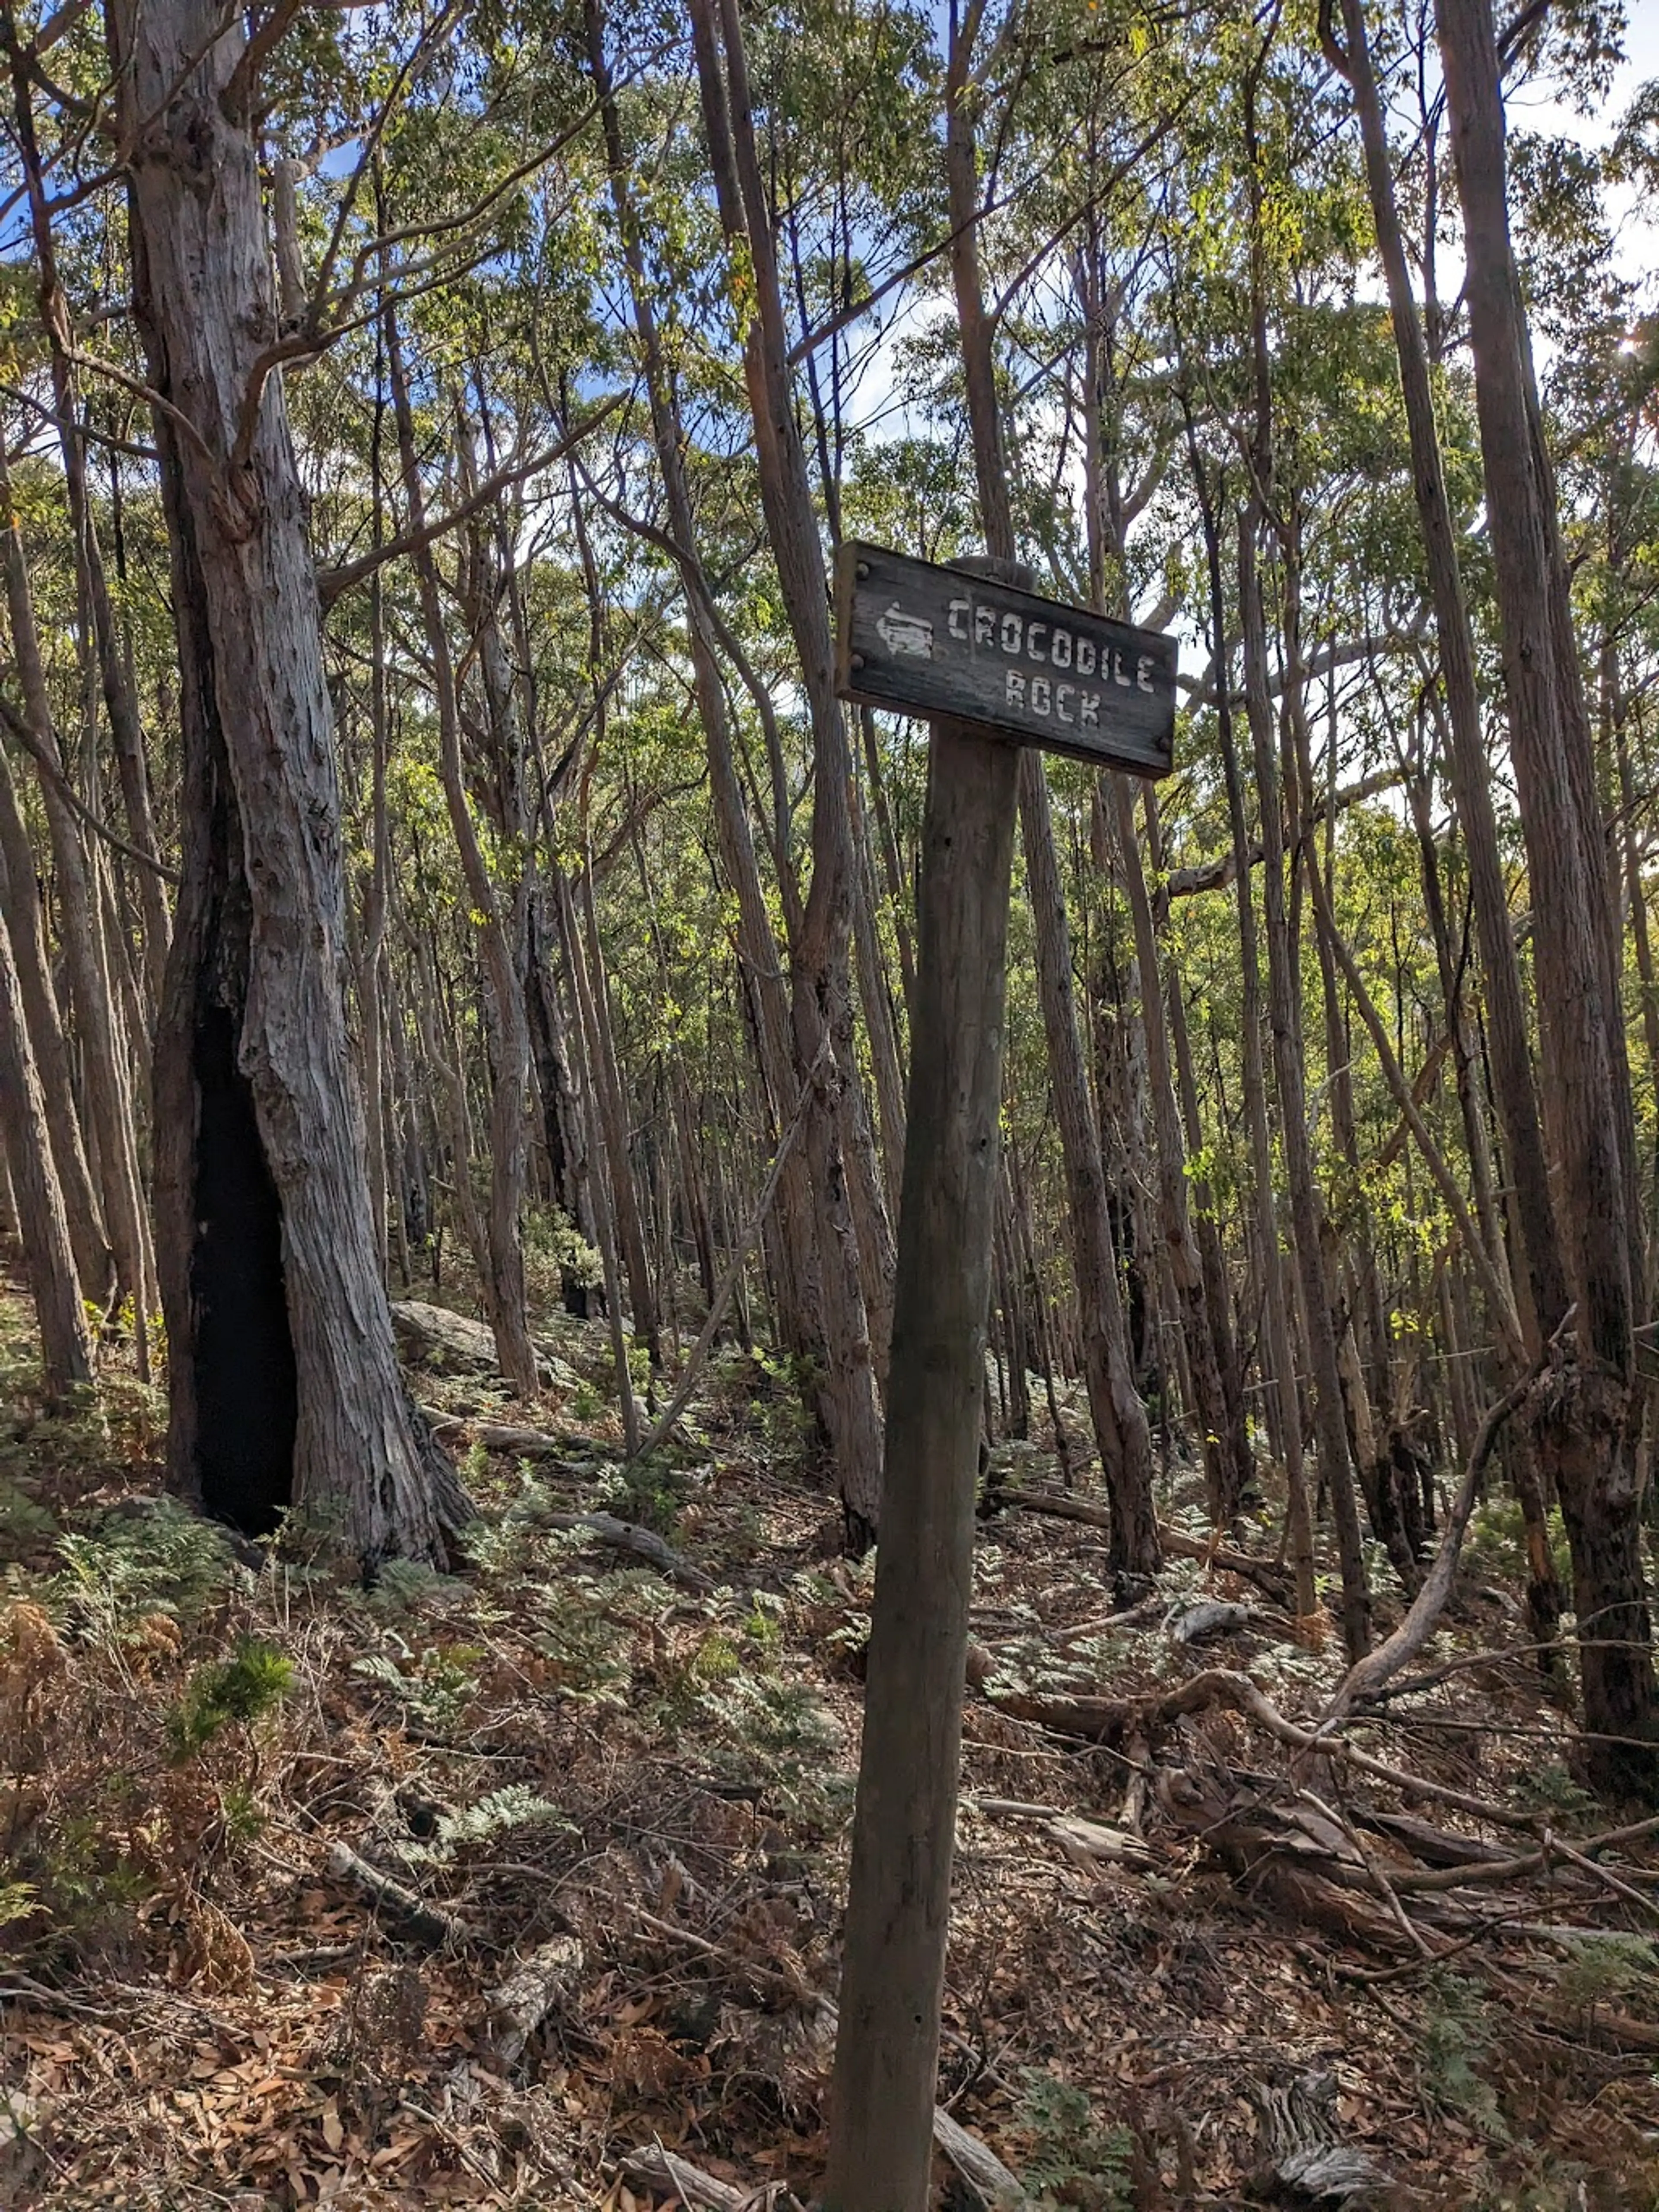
(284, 1384)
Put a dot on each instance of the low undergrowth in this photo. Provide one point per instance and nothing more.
(560, 1756)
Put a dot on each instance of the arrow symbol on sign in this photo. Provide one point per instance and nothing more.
(905, 634)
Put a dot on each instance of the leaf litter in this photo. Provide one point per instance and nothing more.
(521, 1885)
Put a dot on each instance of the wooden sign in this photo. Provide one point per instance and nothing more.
(918, 639)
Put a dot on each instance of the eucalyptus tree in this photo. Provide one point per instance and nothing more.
(66, 1353)
(820, 999)
(976, 51)
(1587, 1420)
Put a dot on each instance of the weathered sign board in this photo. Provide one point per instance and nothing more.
(918, 639)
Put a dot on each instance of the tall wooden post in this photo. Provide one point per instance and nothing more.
(898, 1912)
(1026, 670)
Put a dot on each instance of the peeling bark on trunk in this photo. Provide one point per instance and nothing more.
(283, 1382)
(1587, 1424)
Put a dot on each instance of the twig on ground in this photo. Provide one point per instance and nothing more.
(23, 1988)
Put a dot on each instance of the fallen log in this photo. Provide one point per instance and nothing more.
(1211, 1616)
(992, 2182)
(1436, 1847)
(427, 1923)
(629, 1536)
(1086, 1843)
(1306, 2156)
(540, 1984)
(433, 1334)
(1268, 1576)
(512, 1442)
(651, 2167)
(428, 1332)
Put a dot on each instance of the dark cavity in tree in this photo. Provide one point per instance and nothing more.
(246, 1398)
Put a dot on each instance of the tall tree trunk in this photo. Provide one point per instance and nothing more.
(1212, 1258)
(48, 1260)
(820, 976)
(794, 1241)
(1506, 1023)
(1588, 1421)
(1276, 1298)
(283, 1382)
(1284, 1021)
(21, 915)
(504, 1282)
(1120, 1418)
(1225, 1471)
(92, 583)
(109, 1103)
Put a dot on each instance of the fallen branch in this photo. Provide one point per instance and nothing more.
(1269, 1578)
(1086, 1843)
(1367, 1676)
(568, 1446)
(1603, 1874)
(427, 1923)
(23, 1988)
(654, 2168)
(991, 2181)
(1107, 1720)
(1266, 1574)
(629, 1536)
(981, 2168)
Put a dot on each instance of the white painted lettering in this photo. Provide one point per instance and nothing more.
(1118, 676)
(958, 628)
(1061, 651)
(1042, 691)
(985, 625)
(1031, 636)
(1062, 693)
(1085, 656)
(1144, 668)
(1088, 710)
(1013, 629)
(1015, 695)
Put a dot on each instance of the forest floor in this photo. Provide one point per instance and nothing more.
(472, 1889)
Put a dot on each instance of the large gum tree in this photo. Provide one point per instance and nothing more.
(284, 1386)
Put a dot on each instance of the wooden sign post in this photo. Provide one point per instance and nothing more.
(994, 668)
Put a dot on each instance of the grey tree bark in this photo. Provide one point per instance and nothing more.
(820, 978)
(48, 1259)
(283, 1382)
(1120, 1418)
(903, 1836)
(1587, 1424)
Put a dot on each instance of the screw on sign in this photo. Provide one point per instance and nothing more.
(918, 639)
